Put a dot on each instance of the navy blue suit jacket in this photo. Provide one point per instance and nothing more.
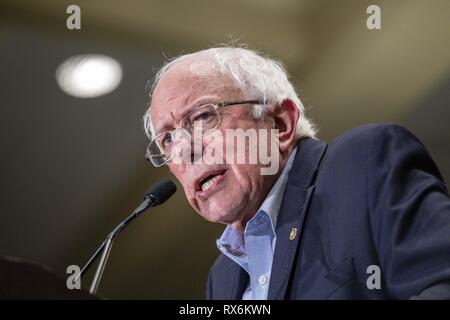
(372, 197)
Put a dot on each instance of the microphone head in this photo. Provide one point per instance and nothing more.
(161, 191)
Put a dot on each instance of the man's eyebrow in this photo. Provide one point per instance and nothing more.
(202, 102)
(164, 127)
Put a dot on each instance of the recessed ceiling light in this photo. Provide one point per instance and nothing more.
(89, 75)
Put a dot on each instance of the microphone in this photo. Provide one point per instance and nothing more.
(161, 191)
(156, 195)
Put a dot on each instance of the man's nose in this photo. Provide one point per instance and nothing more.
(186, 147)
(180, 135)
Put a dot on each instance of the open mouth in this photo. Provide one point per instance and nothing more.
(209, 181)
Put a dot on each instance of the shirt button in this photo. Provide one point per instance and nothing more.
(262, 280)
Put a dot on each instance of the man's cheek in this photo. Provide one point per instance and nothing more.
(176, 169)
(179, 173)
(189, 193)
(191, 199)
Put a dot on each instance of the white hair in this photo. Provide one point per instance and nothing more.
(258, 77)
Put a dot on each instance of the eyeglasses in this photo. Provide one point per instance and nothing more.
(206, 117)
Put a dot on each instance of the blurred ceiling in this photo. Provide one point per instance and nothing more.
(73, 168)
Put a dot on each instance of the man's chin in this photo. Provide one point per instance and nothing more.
(219, 216)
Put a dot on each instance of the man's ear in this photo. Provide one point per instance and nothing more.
(286, 117)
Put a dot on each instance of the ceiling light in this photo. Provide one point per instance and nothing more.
(88, 76)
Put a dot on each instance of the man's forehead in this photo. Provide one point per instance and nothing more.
(189, 80)
(183, 86)
(186, 84)
(194, 77)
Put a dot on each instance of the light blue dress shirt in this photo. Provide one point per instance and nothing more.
(254, 249)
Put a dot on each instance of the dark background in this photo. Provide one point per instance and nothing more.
(72, 168)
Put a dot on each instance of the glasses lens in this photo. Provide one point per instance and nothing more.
(204, 118)
(158, 148)
(157, 160)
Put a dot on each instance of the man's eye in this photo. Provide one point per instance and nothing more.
(166, 140)
(203, 117)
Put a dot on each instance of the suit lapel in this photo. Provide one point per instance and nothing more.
(293, 210)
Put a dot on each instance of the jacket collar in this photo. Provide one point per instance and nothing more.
(294, 206)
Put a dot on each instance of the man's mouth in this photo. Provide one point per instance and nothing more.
(206, 184)
(209, 182)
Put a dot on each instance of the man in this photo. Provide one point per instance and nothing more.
(364, 217)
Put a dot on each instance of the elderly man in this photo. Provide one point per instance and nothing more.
(364, 217)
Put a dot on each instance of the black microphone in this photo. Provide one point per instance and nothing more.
(156, 195)
(161, 191)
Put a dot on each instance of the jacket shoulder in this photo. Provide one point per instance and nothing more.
(373, 134)
(372, 140)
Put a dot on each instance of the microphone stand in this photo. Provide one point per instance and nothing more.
(101, 265)
(105, 247)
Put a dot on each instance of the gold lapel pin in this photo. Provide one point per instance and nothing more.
(293, 234)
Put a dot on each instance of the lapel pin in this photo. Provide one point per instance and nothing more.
(293, 234)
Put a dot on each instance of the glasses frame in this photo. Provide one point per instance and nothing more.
(216, 106)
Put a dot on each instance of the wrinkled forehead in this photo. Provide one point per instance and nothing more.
(192, 76)
(186, 84)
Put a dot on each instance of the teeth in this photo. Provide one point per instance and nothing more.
(208, 184)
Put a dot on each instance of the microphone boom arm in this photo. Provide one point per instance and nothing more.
(105, 247)
(157, 194)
